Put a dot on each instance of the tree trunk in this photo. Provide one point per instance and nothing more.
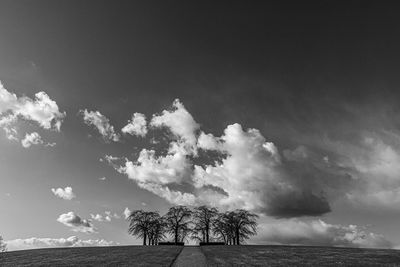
(176, 236)
(237, 237)
(144, 239)
(207, 235)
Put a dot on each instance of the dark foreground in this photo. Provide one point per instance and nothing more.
(214, 256)
(299, 256)
(92, 256)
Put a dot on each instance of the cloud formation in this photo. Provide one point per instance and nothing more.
(77, 224)
(136, 126)
(42, 110)
(72, 241)
(65, 193)
(127, 212)
(247, 171)
(101, 123)
(318, 233)
(31, 139)
(106, 217)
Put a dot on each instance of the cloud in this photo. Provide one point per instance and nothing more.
(108, 216)
(101, 123)
(31, 139)
(65, 193)
(77, 224)
(247, 171)
(42, 110)
(136, 126)
(179, 121)
(72, 241)
(127, 212)
(102, 178)
(318, 233)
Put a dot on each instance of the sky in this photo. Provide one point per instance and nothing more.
(289, 110)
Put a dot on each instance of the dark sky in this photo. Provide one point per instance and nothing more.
(318, 79)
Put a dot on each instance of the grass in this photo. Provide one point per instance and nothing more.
(298, 256)
(92, 256)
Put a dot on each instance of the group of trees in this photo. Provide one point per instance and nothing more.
(204, 224)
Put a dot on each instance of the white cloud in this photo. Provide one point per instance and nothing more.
(31, 139)
(102, 178)
(101, 123)
(41, 110)
(149, 168)
(65, 193)
(180, 122)
(108, 216)
(77, 224)
(137, 126)
(247, 171)
(127, 212)
(72, 241)
(318, 233)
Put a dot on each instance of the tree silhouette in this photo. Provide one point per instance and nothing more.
(244, 224)
(178, 222)
(156, 229)
(234, 227)
(141, 222)
(3, 245)
(203, 218)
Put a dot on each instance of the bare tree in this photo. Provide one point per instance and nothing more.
(3, 245)
(156, 229)
(234, 227)
(140, 223)
(178, 222)
(244, 224)
(203, 218)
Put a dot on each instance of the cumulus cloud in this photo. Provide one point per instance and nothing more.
(65, 193)
(31, 139)
(72, 241)
(106, 217)
(127, 212)
(318, 233)
(101, 123)
(42, 110)
(77, 224)
(179, 121)
(247, 172)
(136, 126)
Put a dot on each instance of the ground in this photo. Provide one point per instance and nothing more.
(193, 257)
(298, 256)
(93, 256)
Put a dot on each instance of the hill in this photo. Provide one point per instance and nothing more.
(215, 256)
(92, 256)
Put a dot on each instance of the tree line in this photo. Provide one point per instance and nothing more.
(204, 224)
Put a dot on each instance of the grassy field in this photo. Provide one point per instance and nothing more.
(92, 256)
(215, 255)
(298, 256)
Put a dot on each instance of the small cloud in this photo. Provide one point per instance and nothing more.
(65, 193)
(77, 224)
(108, 216)
(72, 241)
(101, 123)
(31, 139)
(137, 126)
(127, 212)
(102, 178)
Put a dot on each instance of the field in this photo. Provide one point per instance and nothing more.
(92, 256)
(299, 256)
(215, 256)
